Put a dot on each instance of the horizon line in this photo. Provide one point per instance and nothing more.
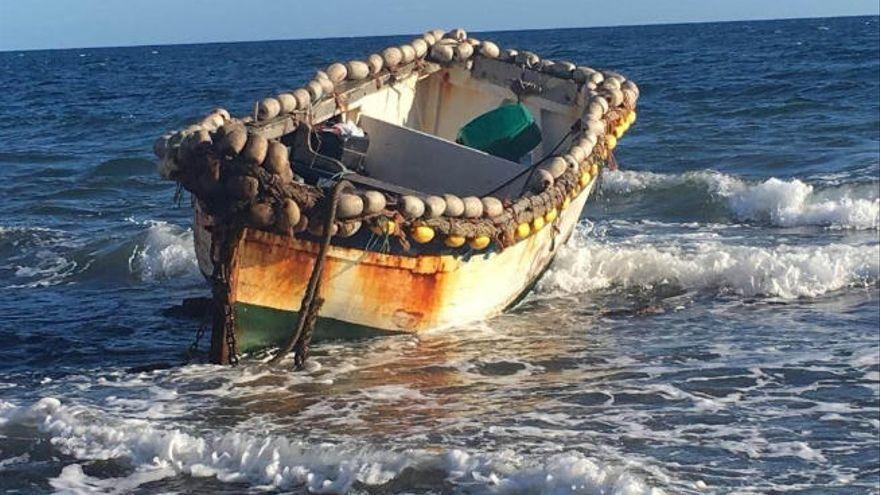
(324, 38)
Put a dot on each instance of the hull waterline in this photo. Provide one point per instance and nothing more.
(368, 292)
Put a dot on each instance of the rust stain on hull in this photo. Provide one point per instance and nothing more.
(407, 291)
(392, 292)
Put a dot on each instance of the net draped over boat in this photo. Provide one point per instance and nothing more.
(239, 167)
(243, 172)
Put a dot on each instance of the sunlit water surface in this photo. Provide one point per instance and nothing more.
(711, 328)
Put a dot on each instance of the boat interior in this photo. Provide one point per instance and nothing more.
(413, 123)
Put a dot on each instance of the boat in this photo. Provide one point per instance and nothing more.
(425, 186)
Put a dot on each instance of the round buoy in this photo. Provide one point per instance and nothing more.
(256, 148)
(538, 223)
(268, 108)
(473, 207)
(384, 227)
(610, 141)
(412, 207)
(435, 206)
(349, 206)
(336, 72)
(288, 102)
(374, 202)
(392, 57)
(479, 243)
(357, 70)
(423, 234)
(492, 207)
(454, 206)
(454, 241)
(489, 50)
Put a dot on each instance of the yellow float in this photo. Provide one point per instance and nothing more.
(631, 118)
(454, 241)
(384, 227)
(523, 230)
(479, 243)
(585, 178)
(423, 234)
(537, 223)
(610, 141)
(551, 215)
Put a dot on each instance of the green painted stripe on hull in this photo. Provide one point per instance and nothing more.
(259, 327)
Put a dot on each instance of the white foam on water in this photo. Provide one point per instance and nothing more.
(783, 271)
(73, 481)
(391, 393)
(167, 251)
(12, 461)
(793, 203)
(37, 260)
(46, 257)
(49, 269)
(278, 462)
(795, 449)
(781, 203)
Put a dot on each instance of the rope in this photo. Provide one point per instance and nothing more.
(225, 240)
(312, 301)
(612, 161)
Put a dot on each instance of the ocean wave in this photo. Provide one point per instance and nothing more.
(163, 251)
(777, 202)
(34, 257)
(41, 257)
(786, 272)
(278, 462)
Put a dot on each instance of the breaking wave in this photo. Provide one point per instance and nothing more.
(40, 257)
(781, 203)
(277, 462)
(786, 272)
(163, 251)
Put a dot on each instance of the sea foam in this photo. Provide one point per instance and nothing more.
(786, 272)
(163, 251)
(41, 257)
(278, 462)
(777, 202)
(37, 256)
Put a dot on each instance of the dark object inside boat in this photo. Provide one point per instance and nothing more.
(339, 143)
(508, 132)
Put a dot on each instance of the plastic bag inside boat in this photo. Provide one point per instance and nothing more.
(343, 141)
(508, 132)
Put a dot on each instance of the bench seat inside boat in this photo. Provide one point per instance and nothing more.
(402, 160)
(420, 161)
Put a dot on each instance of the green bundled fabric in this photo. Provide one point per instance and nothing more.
(507, 132)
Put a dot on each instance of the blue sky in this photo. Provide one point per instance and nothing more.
(30, 24)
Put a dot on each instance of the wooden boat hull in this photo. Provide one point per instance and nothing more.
(381, 145)
(367, 291)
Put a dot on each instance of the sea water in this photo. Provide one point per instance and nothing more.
(712, 327)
